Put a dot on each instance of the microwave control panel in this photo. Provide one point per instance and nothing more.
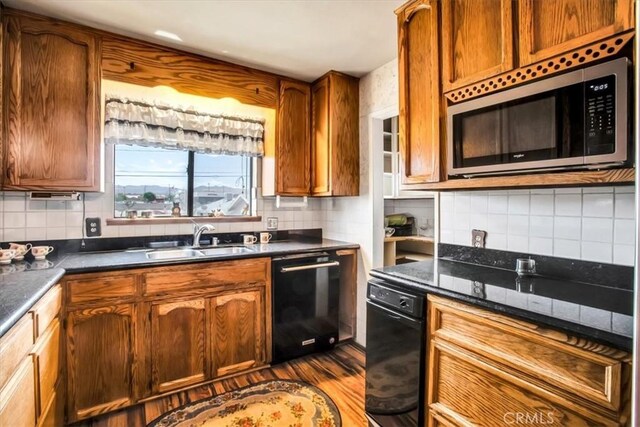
(600, 115)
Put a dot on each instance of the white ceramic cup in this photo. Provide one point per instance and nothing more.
(265, 237)
(249, 239)
(39, 252)
(21, 250)
(6, 255)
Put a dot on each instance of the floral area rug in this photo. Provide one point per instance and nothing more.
(267, 404)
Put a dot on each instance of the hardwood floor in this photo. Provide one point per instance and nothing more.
(339, 373)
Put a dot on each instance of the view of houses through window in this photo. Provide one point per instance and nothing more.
(154, 182)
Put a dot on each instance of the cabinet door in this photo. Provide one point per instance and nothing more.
(320, 143)
(17, 398)
(419, 133)
(101, 362)
(551, 27)
(293, 147)
(47, 359)
(177, 348)
(238, 332)
(52, 106)
(477, 40)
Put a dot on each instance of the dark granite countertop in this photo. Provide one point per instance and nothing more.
(23, 284)
(19, 291)
(115, 260)
(600, 313)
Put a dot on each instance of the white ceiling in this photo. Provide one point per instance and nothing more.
(297, 38)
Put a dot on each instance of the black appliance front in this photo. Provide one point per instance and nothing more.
(394, 390)
(305, 303)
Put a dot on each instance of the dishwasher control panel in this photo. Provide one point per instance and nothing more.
(402, 302)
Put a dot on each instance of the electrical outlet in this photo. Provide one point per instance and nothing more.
(93, 227)
(478, 238)
(272, 223)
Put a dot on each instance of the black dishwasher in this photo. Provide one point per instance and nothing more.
(395, 356)
(305, 300)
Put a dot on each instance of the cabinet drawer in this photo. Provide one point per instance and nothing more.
(46, 310)
(569, 370)
(47, 360)
(189, 277)
(14, 346)
(468, 392)
(100, 287)
(17, 398)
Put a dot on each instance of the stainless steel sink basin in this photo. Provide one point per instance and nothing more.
(197, 253)
(226, 250)
(174, 254)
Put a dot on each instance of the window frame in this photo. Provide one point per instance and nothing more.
(190, 172)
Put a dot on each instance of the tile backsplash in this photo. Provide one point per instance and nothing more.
(592, 224)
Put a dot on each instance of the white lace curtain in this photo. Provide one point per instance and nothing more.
(154, 124)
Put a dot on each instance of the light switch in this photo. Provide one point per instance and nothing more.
(93, 227)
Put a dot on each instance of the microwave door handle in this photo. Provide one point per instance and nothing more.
(309, 267)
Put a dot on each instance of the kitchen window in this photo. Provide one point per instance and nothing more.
(154, 181)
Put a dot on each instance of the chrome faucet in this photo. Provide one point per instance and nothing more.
(197, 232)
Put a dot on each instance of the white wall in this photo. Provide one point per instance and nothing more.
(591, 224)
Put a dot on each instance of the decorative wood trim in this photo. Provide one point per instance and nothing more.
(182, 220)
(194, 304)
(551, 179)
(576, 58)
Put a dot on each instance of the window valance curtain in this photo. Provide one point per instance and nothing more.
(155, 124)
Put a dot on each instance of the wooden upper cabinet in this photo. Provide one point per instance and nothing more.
(238, 332)
(293, 160)
(335, 145)
(101, 362)
(51, 99)
(477, 40)
(177, 348)
(550, 27)
(419, 132)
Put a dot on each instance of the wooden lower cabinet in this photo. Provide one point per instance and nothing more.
(487, 369)
(17, 398)
(101, 359)
(178, 347)
(176, 327)
(238, 332)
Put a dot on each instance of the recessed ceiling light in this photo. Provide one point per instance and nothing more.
(168, 35)
(225, 51)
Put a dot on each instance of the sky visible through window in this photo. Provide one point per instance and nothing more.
(149, 179)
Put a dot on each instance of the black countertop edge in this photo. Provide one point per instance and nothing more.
(67, 263)
(612, 275)
(21, 291)
(607, 338)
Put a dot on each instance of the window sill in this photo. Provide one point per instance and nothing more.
(182, 220)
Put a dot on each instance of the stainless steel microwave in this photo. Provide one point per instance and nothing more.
(575, 120)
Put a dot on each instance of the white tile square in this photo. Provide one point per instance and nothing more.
(461, 221)
(597, 205)
(570, 190)
(625, 189)
(36, 219)
(36, 233)
(625, 205)
(36, 205)
(478, 221)
(447, 236)
(58, 205)
(597, 230)
(56, 233)
(517, 243)
(624, 231)
(56, 218)
(462, 237)
(624, 255)
(518, 225)
(73, 233)
(479, 203)
(595, 317)
(73, 219)
(540, 304)
(597, 252)
(496, 241)
(541, 226)
(541, 191)
(568, 204)
(14, 203)
(597, 190)
(622, 324)
(566, 310)
(541, 246)
(14, 219)
(498, 204)
(566, 248)
(566, 228)
(14, 234)
(462, 203)
(519, 204)
(541, 204)
(497, 223)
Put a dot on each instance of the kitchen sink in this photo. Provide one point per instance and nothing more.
(226, 250)
(197, 253)
(174, 254)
